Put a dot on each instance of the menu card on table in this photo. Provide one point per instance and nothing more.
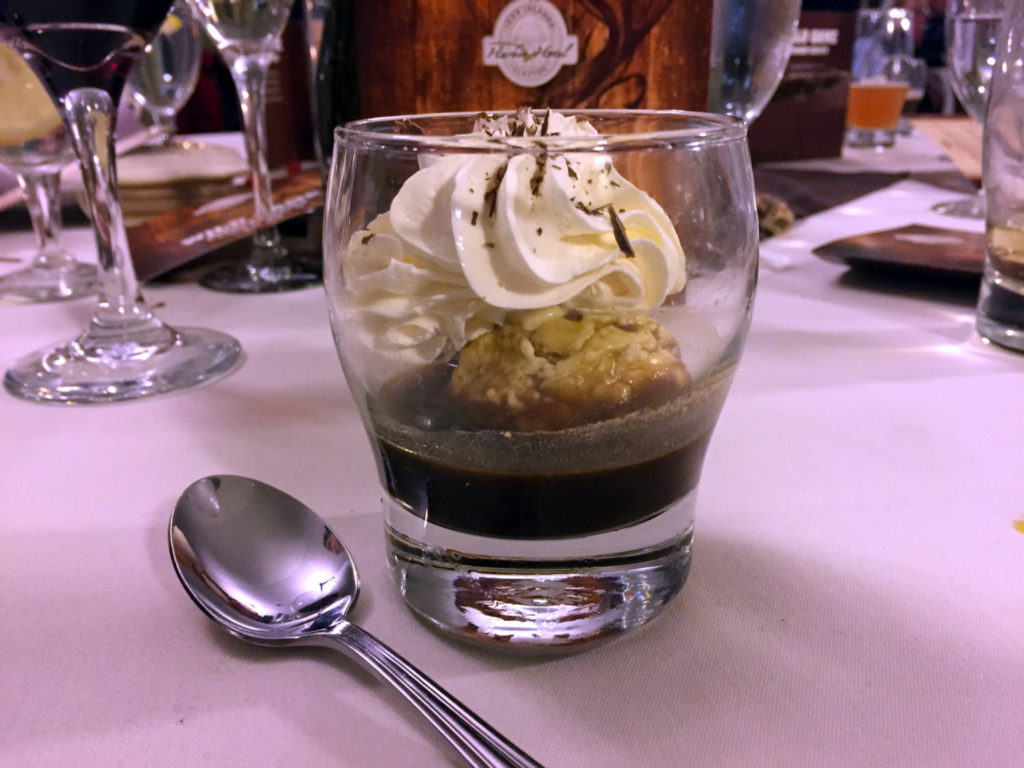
(806, 117)
(173, 239)
(951, 252)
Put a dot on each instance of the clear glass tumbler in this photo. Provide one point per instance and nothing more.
(873, 110)
(539, 315)
(882, 77)
(1001, 302)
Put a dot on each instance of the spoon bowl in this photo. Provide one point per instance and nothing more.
(267, 569)
(258, 562)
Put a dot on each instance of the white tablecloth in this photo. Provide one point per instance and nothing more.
(856, 597)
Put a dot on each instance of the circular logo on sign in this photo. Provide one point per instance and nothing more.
(530, 43)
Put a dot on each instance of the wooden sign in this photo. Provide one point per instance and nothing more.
(469, 55)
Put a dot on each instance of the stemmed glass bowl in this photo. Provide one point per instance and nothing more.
(539, 316)
(34, 145)
(750, 45)
(247, 34)
(167, 72)
(972, 29)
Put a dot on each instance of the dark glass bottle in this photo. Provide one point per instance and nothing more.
(291, 133)
(337, 81)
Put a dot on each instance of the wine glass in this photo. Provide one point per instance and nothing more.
(83, 52)
(972, 28)
(167, 72)
(882, 36)
(750, 45)
(915, 72)
(34, 146)
(247, 34)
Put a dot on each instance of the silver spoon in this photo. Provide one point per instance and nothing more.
(267, 569)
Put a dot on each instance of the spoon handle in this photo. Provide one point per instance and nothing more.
(478, 742)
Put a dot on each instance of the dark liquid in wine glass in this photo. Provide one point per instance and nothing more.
(81, 43)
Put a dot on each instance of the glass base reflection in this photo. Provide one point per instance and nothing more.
(275, 277)
(101, 366)
(1001, 309)
(966, 208)
(37, 284)
(540, 595)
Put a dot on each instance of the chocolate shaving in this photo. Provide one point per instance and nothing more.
(366, 240)
(408, 127)
(491, 195)
(588, 210)
(620, 234)
(544, 125)
(520, 124)
(538, 176)
(570, 171)
(621, 239)
(474, 217)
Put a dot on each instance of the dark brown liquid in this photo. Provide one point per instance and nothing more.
(531, 485)
(535, 506)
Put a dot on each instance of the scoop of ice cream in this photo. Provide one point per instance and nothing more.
(549, 370)
(487, 232)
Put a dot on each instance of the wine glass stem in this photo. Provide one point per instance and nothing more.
(90, 117)
(166, 126)
(250, 74)
(42, 198)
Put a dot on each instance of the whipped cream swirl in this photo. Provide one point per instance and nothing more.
(471, 236)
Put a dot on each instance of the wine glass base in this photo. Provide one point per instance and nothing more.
(283, 274)
(162, 360)
(870, 138)
(967, 208)
(37, 284)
